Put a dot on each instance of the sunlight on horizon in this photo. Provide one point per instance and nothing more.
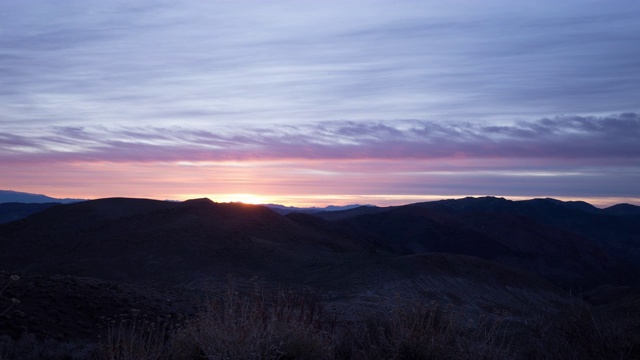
(243, 198)
(382, 200)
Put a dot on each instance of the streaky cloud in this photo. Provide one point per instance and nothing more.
(564, 137)
(195, 63)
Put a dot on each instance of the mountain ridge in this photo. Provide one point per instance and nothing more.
(523, 234)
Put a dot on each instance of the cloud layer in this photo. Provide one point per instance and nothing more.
(576, 138)
(221, 63)
(572, 157)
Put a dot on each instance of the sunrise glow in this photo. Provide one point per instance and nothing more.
(314, 103)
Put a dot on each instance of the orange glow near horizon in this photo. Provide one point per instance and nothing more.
(331, 199)
(243, 198)
(344, 199)
(290, 183)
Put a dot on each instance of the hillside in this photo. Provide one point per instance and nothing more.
(140, 240)
(614, 229)
(146, 241)
(541, 236)
(83, 262)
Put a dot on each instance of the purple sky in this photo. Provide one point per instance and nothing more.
(311, 103)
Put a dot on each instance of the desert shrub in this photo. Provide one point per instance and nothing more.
(292, 325)
(579, 333)
(252, 325)
(134, 337)
(423, 332)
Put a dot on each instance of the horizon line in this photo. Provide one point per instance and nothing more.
(342, 200)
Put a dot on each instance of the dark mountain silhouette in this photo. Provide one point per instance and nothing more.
(84, 261)
(147, 240)
(622, 209)
(199, 242)
(133, 239)
(569, 243)
(614, 229)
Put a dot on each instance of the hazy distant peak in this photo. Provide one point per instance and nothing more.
(7, 196)
(282, 209)
(345, 207)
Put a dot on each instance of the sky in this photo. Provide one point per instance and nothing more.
(321, 102)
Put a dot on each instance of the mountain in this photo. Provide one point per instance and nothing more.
(7, 196)
(198, 243)
(485, 262)
(139, 240)
(573, 244)
(156, 242)
(622, 209)
(614, 229)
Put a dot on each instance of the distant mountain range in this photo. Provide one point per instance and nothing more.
(10, 196)
(7, 196)
(284, 210)
(17, 205)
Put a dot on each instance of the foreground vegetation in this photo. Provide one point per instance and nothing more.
(252, 324)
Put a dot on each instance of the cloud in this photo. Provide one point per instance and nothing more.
(218, 63)
(612, 138)
(8, 141)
